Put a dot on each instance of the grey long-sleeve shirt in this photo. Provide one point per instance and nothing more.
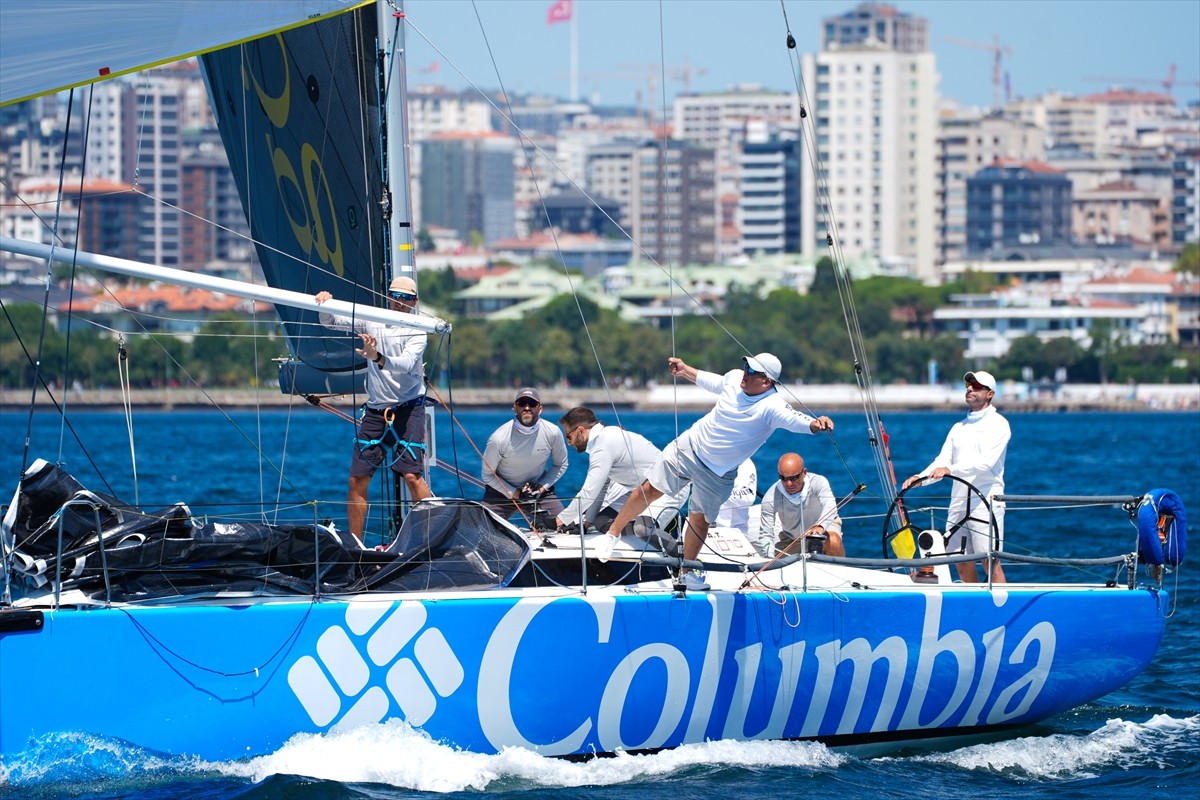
(403, 376)
(513, 458)
(812, 505)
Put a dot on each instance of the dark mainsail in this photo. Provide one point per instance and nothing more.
(299, 117)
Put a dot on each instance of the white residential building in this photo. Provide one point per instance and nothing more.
(876, 129)
(989, 324)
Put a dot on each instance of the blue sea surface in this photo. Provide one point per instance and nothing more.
(1140, 740)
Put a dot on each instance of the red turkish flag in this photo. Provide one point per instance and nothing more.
(559, 12)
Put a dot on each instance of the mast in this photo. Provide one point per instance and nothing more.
(396, 147)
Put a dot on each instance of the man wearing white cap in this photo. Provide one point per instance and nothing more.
(392, 427)
(974, 450)
(749, 409)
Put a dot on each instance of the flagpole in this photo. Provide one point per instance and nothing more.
(574, 55)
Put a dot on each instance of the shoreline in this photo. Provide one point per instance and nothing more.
(813, 398)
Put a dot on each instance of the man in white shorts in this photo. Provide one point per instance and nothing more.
(749, 409)
(974, 450)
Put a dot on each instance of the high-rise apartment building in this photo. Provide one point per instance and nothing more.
(967, 143)
(151, 109)
(215, 227)
(1011, 204)
(768, 213)
(1185, 197)
(667, 195)
(875, 122)
(720, 122)
(108, 218)
(474, 189)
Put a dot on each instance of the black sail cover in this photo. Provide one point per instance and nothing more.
(166, 553)
(299, 117)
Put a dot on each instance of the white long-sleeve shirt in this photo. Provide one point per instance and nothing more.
(515, 457)
(814, 504)
(739, 424)
(616, 458)
(402, 378)
(974, 450)
(735, 512)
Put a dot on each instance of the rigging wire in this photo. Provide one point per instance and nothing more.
(644, 255)
(75, 253)
(37, 368)
(58, 407)
(127, 407)
(523, 139)
(862, 371)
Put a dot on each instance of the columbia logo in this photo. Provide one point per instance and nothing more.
(336, 684)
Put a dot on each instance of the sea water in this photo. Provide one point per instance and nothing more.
(1142, 739)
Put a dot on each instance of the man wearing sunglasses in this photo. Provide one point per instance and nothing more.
(392, 427)
(974, 450)
(523, 460)
(804, 505)
(749, 409)
(618, 459)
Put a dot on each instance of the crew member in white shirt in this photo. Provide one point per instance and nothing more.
(749, 409)
(804, 505)
(617, 461)
(974, 450)
(735, 512)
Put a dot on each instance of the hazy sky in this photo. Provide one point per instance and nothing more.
(1056, 44)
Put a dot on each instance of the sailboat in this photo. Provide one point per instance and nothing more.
(242, 635)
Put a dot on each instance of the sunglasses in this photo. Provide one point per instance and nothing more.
(978, 387)
(749, 370)
(791, 478)
(527, 404)
(403, 296)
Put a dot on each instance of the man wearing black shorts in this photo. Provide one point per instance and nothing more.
(393, 422)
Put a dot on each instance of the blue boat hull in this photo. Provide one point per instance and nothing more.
(572, 674)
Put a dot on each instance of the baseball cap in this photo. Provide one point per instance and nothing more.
(765, 363)
(982, 378)
(529, 393)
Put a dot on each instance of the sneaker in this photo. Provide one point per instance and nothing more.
(693, 580)
(602, 548)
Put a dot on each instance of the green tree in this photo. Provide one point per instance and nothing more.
(471, 354)
(1189, 259)
(824, 278)
(424, 240)
(437, 288)
(230, 350)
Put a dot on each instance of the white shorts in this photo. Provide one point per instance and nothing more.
(975, 535)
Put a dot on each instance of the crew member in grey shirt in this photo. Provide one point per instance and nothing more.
(617, 461)
(804, 505)
(522, 462)
(392, 428)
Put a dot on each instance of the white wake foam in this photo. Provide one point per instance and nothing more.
(395, 754)
(1118, 745)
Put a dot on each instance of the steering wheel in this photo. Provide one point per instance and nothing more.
(978, 510)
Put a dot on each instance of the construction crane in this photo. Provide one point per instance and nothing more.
(998, 52)
(1168, 83)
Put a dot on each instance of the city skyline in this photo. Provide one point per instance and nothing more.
(621, 43)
